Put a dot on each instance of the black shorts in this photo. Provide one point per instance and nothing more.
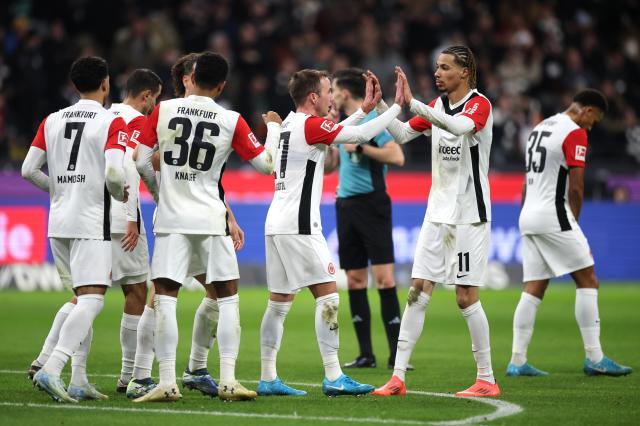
(364, 230)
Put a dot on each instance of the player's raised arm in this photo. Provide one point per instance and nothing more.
(35, 159)
(114, 155)
(249, 149)
(148, 140)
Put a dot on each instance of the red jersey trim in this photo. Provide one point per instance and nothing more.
(477, 109)
(319, 130)
(574, 148)
(39, 140)
(244, 142)
(118, 136)
(149, 133)
(135, 128)
(418, 123)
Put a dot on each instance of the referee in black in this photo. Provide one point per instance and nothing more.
(364, 220)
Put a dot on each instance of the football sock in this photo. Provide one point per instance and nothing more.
(228, 336)
(390, 310)
(79, 361)
(271, 331)
(205, 326)
(128, 337)
(166, 337)
(361, 318)
(327, 334)
(410, 329)
(73, 331)
(589, 322)
(144, 344)
(480, 346)
(52, 338)
(523, 322)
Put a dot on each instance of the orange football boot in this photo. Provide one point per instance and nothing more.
(395, 386)
(481, 388)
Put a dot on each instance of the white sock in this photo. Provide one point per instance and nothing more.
(79, 361)
(523, 321)
(73, 331)
(271, 332)
(328, 335)
(166, 337)
(410, 330)
(144, 344)
(589, 322)
(479, 330)
(52, 338)
(205, 324)
(128, 339)
(228, 336)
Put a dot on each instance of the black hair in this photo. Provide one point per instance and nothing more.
(211, 70)
(463, 56)
(592, 97)
(140, 80)
(182, 67)
(304, 82)
(351, 80)
(87, 73)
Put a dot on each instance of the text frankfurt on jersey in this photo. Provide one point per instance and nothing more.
(195, 112)
(449, 153)
(79, 114)
(72, 179)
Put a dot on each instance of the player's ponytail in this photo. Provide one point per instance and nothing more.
(463, 56)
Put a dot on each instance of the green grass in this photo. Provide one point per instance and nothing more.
(442, 358)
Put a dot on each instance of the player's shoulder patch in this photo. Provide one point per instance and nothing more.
(328, 126)
(581, 153)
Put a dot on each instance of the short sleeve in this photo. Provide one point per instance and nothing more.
(118, 135)
(244, 141)
(477, 109)
(136, 126)
(149, 133)
(38, 140)
(575, 148)
(418, 123)
(319, 130)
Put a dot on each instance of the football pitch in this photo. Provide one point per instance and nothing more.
(443, 361)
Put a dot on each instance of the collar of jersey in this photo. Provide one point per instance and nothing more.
(88, 102)
(462, 101)
(200, 98)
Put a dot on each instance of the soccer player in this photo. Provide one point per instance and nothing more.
(195, 136)
(552, 242)
(83, 146)
(453, 245)
(363, 215)
(130, 255)
(196, 375)
(297, 255)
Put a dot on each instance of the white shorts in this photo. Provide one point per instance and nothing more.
(173, 252)
(82, 262)
(297, 261)
(550, 255)
(453, 254)
(129, 267)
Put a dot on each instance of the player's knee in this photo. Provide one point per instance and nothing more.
(464, 300)
(385, 282)
(356, 281)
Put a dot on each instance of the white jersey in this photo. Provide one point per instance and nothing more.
(135, 122)
(299, 173)
(553, 146)
(460, 164)
(195, 136)
(75, 139)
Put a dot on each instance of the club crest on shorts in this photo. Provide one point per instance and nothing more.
(331, 268)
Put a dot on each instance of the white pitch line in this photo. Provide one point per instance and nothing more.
(503, 409)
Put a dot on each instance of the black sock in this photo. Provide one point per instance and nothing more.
(361, 318)
(390, 309)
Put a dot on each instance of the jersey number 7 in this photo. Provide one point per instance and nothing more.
(78, 126)
(196, 146)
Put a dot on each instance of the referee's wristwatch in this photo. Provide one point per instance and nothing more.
(359, 149)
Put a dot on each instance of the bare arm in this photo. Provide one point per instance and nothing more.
(524, 191)
(576, 190)
(31, 168)
(390, 153)
(332, 160)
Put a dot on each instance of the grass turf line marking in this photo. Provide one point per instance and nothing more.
(503, 409)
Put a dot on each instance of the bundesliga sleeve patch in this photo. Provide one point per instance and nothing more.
(473, 109)
(123, 138)
(254, 140)
(581, 152)
(328, 126)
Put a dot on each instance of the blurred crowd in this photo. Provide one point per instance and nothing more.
(532, 56)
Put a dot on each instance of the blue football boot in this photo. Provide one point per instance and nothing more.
(525, 369)
(276, 387)
(345, 385)
(54, 386)
(605, 367)
(200, 380)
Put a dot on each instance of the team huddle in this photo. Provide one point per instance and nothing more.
(179, 148)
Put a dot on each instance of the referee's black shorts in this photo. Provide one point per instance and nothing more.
(364, 230)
